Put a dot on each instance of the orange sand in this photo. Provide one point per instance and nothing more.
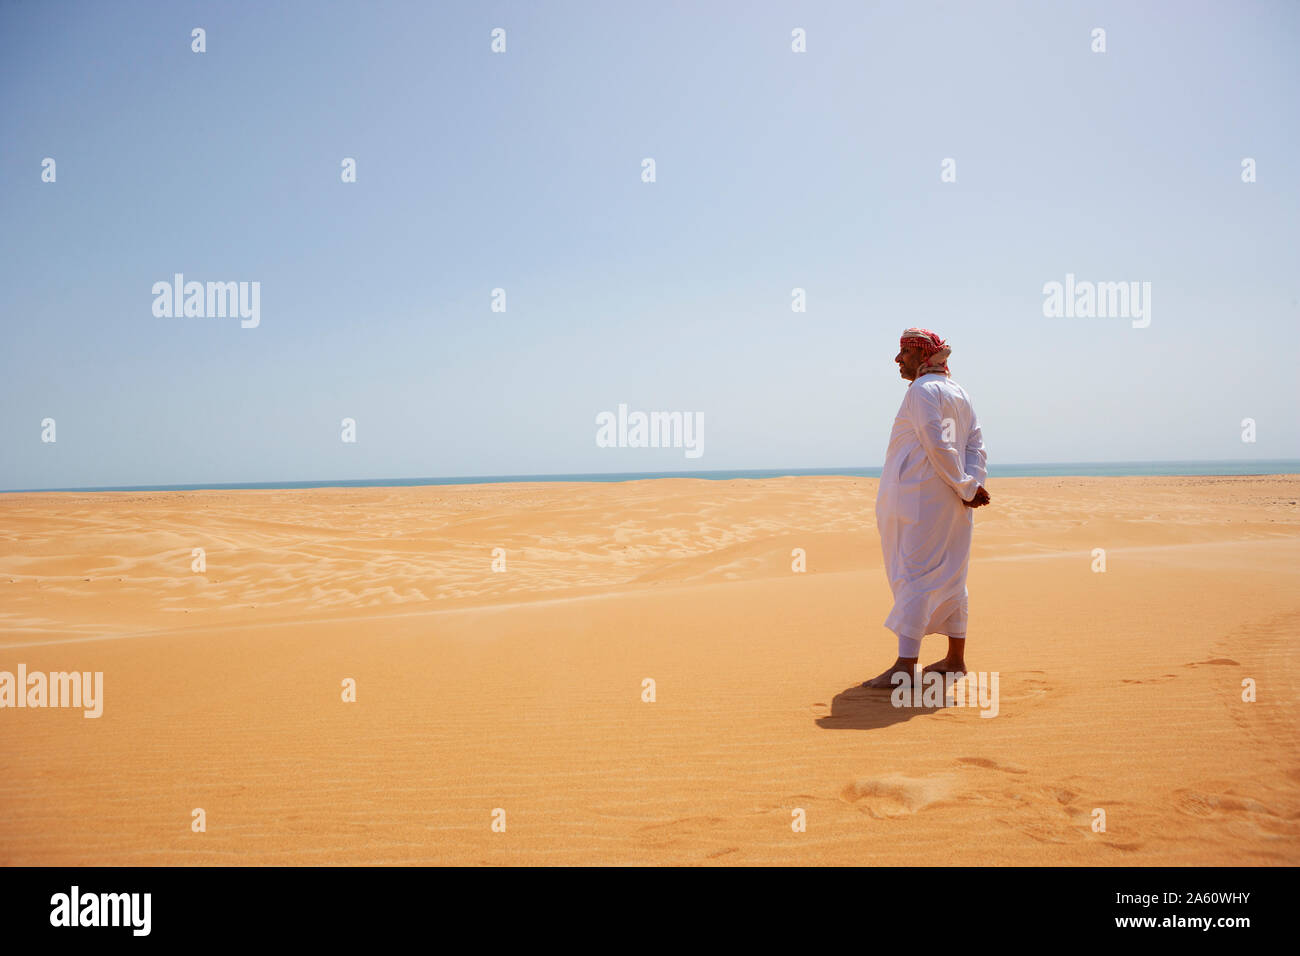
(522, 690)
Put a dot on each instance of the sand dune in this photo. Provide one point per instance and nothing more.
(522, 689)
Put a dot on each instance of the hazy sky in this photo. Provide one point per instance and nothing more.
(522, 170)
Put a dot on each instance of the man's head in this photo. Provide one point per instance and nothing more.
(909, 359)
(921, 352)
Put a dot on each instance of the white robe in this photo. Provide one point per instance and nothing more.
(925, 530)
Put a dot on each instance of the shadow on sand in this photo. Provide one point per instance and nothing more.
(856, 708)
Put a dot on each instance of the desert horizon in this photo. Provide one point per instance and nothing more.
(1165, 468)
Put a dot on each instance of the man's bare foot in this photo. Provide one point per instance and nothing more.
(885, 681)
(955, 660)
(946, 666)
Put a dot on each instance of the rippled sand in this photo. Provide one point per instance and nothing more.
(522, 689)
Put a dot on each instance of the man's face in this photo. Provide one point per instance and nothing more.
(909, 360)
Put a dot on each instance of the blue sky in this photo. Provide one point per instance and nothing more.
(522, 170)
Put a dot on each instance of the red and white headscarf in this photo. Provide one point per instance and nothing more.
(934, 350)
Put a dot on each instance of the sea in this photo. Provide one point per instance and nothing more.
(1280, 466)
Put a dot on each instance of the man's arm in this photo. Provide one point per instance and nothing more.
(977, 462)
(976, 459)
(924, 409)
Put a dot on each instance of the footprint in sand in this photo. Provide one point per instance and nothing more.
(683, 822)
(1150, 680)
(988, 764)
(798, 800)
(1039, 832)
(1222, 661)
(1015, 688)
(1196, 803)
(893, 795)
(1052, 814)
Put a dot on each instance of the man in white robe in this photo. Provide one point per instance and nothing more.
(932, 481)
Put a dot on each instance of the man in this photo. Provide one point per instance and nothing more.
(932, 481)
